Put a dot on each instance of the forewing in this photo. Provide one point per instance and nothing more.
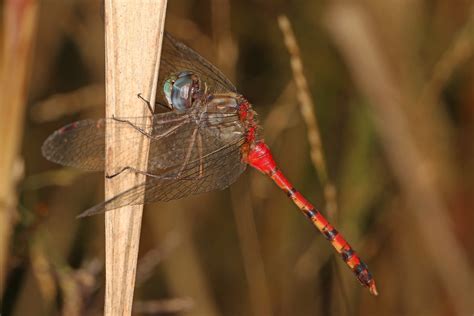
(82, 144)
(175, 140)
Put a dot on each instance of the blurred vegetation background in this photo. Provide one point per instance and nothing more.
(380, 138)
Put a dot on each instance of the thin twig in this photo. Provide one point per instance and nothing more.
(61, 104)
(149, 261)
(280, 116)
(184, 272)
(309, 116)
(226, 47)
(252, 256)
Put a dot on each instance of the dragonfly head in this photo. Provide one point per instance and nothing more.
(181, 90)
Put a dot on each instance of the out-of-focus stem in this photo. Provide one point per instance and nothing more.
(435, 132)
(252, 256)
(460, 51)
(227, 54)
(226, 47)
(185, 274)
(353, 35)
(19, 28)
(309, 116)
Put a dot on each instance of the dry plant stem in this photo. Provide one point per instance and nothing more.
(349, 27)
(133, 36)
(164, 306)
(280, 116)
(459, 52)
(226, 47)
(70, 290)
(191, 33)
(251, 253)
(185, 274)
(227, 54)
(435, 131)
(309, 116)
(62, 104)
(19, 29)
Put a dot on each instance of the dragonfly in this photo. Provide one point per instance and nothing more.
(203, 142)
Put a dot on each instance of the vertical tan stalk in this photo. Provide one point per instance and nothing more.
(227, 54)
(254, 266)
(462, 48)
(352, 33)
(19, 29)
(227, 51)
(309, 116)
(133, 37)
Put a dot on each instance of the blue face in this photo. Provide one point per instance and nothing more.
(180, 90)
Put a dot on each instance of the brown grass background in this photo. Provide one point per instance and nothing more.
(368, 107)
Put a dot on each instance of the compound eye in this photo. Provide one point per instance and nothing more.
(167, 88)
(181, 90)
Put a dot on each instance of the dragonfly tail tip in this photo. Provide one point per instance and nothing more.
(373, 289)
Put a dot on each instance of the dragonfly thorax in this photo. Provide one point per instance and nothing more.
(219, 112)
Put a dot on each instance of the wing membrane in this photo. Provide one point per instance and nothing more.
(82, 144)
(217, 170)
(192, 152)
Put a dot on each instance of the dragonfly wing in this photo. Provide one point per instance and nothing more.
(177, 57)
(174, 140)
(217, 170)
(82, 144)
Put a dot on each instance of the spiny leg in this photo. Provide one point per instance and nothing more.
(152, 112)
(156, 103)
(171, 130)
(154, 137)
(149, 135)
(136, 171)
(140, 130)
(152, 175)
(111, 176)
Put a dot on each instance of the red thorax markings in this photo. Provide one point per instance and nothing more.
(247, 117)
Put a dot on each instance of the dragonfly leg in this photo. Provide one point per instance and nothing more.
(152, 136)
(152, 175)
(110, 176)
(188, 152)
(156, 176)
(147, 103)
(134, 170)
(133, 125)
